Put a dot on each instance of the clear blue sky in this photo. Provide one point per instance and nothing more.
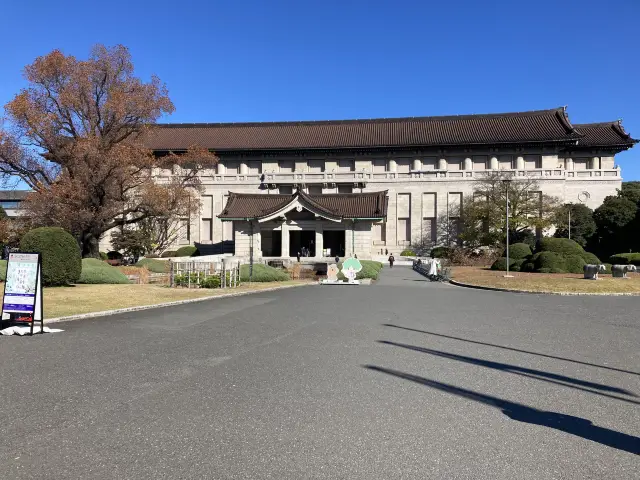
(249, 60)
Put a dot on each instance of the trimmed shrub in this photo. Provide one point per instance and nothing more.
(501, 264)
(152, 255)
(607, 266)
(263, 273)
(440, 252)
(545, 270)
(187, 251)
(590, 258)
(574, 263)
(518, 251)
(153, 265)
(211, 282)
(61, 259)
(113, 255)
(169, 254)
(549, 260)
(96, 271)
(408, 253)
(528, 266)
(563, 246)
(625, 259)
(103, 256)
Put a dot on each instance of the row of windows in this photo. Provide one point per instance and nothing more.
(402, 165)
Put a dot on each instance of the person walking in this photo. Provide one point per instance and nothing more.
(391, 260)
(337, 259)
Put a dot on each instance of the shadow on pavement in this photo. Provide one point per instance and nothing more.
(554, 378)
(512, 349)
(580, 427)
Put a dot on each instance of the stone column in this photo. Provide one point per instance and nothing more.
(595, 163)
(319, 239)
(442, 164)
(568, 163)
(221, 168)
(417, 164)
(285, 239)
(393, 166)
(468, 164)
(244, 168)
(520, 163)
(493, 164)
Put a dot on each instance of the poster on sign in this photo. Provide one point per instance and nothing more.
(23, 289)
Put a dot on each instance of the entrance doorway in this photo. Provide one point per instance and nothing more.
(334, 241)
(271, 243)
(303, 242)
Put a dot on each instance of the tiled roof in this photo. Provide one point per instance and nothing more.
(510, 128)
(341, 205)
(604, 134)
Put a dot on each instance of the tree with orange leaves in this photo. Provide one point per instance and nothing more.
(75, 136)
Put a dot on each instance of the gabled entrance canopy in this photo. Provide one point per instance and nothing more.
(332, 207)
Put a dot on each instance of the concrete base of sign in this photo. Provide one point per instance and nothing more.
(339, 282)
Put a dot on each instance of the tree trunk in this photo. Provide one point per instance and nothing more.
(90, 245)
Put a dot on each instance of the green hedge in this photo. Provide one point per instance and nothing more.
(518, 251)
(96, 271)
(563, 246)
(169, 254)
(574, 263)
(3, 270)
(103, 256)
(153, 265)
(440, 252)
(625, 259)
(590, 258)
(263, 273)
(187, 251)
(407, 253)
(551, 261)
(61, 259)
(515, 265)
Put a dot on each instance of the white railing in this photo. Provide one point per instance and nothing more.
(414, 175)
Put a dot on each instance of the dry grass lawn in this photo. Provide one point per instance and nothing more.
(546, 282)
(64, 301)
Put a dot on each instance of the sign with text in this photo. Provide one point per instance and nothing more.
(23, 287)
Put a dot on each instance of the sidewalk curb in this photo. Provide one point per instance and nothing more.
(562, 294)
(106, 313)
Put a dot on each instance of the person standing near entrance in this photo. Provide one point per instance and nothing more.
(391, 260)
(337, 259)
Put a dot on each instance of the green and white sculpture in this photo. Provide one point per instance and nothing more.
(350, 268)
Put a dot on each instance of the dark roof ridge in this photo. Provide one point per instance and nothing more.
(527, 113)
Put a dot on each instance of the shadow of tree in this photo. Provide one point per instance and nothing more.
(526, 372)
(577, 426)
(512, 349)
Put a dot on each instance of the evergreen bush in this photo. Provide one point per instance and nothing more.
(187, 251)
(440, 252)
(518, 251)
(574, 263)
(408, 253)
(263, 273)
(169, 254)
(590, 258)
(549, 260)
(625, 259)
(153, 265)
(61, 258)
(96, 271)
(563, 246)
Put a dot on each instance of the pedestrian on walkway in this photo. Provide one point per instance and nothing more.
(391, 260)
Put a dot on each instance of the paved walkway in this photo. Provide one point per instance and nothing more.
(402, 379)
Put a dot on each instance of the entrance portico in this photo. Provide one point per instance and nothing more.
(315, 226)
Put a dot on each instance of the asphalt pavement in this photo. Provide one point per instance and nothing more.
(401, 379)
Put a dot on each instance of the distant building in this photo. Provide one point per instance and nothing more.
(11, 200)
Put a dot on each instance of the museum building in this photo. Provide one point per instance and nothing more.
(346, 187)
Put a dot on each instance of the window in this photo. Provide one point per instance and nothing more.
(404, 231)
(580, 163)
(429, 163)
(532, 161)
(479, 162)
(316, 166)
(380, 165)
(255, 167)
(455, 163)
(9, 204)
(232, 167)
(346, 165)
(505, 162)
(315, 189)
(286, 189)
(286, 166)
(207, 230)
(429, 231)
(345, 188)
(379, 233)
(403, 165)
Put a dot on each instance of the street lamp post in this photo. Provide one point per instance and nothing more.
(506, 183)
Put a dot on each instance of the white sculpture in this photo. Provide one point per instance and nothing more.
(620, 271)
(591, 271)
